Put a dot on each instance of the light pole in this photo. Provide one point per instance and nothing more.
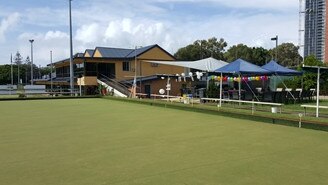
(11, 70)
(31, 41)
(51, 71)
(71, 49)
(276, 39)
(135, 72)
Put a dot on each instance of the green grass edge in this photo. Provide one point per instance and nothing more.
(280, 119)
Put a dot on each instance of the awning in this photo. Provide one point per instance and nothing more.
(277, 69)
(242, 67)
(208, 64)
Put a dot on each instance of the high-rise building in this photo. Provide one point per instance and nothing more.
(315, 35)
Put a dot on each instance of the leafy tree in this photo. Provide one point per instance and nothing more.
(202, 49)
(309, 77)
(5, 74)
(45, 71)
(256, 55)
(18, 61)
(288, 55)
(213, 90)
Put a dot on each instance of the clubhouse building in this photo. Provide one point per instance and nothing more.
(117, 68)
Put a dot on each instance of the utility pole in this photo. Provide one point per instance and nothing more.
(31, 41)
(11, 71)
(276, 39)
(71, 50)
(51, 71)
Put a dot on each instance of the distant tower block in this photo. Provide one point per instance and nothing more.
(315, 26)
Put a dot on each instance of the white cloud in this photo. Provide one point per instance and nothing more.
(55, 41)
(126, 32)
(8, 23)
(262, 4)
(88, 33)
(125, 23)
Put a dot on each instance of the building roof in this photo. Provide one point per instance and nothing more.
(89, 51)
(77, 55)
(116, 53)
(120, 53)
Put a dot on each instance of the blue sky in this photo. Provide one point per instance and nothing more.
(123, 23)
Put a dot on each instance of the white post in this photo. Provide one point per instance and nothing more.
(12, 74)
(51, 87)
(318, 89)
(220, 105)
(239, 90)
(135, 74)
(71, 50)
(31, 60)
(168, 87)
(80, 87)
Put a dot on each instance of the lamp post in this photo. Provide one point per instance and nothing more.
(31, 41)
(135, 72)
(276, 39)
(71, 49)
(51, 87)
(11, 70)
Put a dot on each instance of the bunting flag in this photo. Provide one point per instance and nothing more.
(238, 79)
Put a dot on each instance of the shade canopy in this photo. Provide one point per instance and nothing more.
(242, 67)
(277, 69)
(208, 64)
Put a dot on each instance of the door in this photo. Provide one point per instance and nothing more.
(148, 90)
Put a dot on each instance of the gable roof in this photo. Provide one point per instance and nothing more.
(78, 55)
(120, 53)
(75, 56)
(90, 52)
(116, 53)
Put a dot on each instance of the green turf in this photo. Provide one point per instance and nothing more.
(97, 141)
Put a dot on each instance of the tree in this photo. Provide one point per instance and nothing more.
(309, 78)
(202, 49)
(5, 74)
(27, 69)
(288, 55)
(18, 61)
(256, 55)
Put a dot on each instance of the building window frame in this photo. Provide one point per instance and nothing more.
(126, 66)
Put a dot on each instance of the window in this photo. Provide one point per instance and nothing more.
(126, 66)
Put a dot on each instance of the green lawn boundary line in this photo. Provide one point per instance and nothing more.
(273, 119)
(47, 98)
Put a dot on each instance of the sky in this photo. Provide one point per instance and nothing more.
(172, 24)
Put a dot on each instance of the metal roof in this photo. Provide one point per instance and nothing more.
(120, 53)
(140, 51)
(77, 55)
(90, 52)
(116, 53)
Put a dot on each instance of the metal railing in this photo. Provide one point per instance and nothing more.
(123, 88)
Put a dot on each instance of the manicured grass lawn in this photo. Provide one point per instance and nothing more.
(98, 141)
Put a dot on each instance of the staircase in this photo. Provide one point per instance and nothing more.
(119, 89)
